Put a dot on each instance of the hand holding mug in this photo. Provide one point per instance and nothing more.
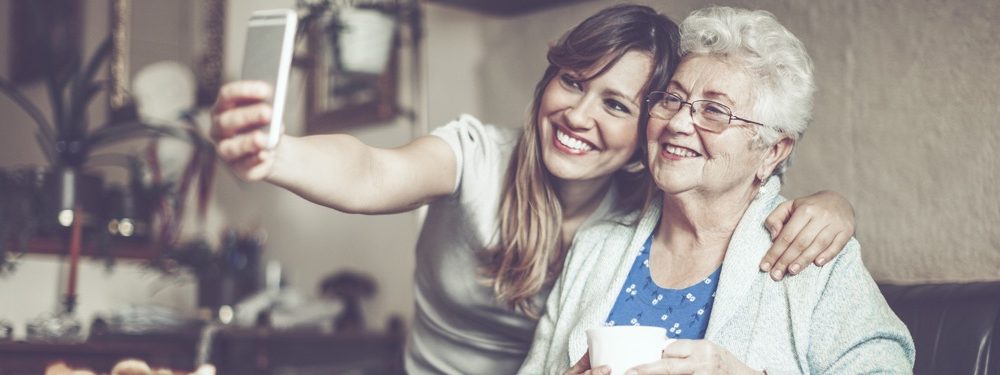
(582, 367)
(620, 348)
(694, 357)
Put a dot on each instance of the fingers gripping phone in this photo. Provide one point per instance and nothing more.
(268, 58)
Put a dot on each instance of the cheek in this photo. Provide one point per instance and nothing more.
(733, 163)
(620, 135)
(629, 139)
(653, 129)
(554, 97)
(722, 164)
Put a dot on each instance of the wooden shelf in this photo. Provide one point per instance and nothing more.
(18, 357)
(234, 351)
(127, 248)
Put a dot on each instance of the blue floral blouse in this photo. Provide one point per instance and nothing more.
(683, 312)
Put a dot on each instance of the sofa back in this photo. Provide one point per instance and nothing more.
(955, 327)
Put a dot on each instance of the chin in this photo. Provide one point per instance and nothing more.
(561, 169)
(673, 182)
(673, 189)
(671, 185)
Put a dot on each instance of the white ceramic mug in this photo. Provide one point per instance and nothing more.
(624, 347)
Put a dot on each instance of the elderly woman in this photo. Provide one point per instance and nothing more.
(718, 138)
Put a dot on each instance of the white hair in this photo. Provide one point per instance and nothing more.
(775, 60)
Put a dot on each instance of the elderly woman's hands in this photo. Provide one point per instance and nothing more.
(694, 357)
(811, 229)
(582, 367)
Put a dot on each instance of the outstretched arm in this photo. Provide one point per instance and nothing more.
(338, 170)
(810, 229)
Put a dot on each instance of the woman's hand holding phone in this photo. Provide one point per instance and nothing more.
(240, 117)
(246, 120)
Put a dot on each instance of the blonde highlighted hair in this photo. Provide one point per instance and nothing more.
(529, 256)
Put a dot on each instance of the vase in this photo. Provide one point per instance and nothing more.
(63, 188)
(37, 196)
(364, 39)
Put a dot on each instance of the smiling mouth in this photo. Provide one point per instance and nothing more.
(678, 151)
(572, 143)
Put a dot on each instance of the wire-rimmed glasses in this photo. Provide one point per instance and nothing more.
(708, 114)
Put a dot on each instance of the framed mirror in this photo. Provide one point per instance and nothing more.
(188, 32)
(350, 59)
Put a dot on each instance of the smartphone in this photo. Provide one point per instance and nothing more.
(268, 58)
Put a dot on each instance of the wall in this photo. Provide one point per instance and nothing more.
(905, 121)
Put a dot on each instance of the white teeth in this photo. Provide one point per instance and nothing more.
(571, 142)
(679, 151)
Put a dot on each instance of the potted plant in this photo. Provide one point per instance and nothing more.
(360, 35)
(73, 149)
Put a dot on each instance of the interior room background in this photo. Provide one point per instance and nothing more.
(905, 126)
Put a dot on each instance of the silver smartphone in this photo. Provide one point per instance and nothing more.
(268, 58)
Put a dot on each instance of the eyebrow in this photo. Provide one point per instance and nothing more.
(678, 85)
(712, 94)
(607, 91)
(721, 95)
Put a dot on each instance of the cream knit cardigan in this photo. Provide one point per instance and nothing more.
(829, 320)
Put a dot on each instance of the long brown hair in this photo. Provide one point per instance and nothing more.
(529, 255)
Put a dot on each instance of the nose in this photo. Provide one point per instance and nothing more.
(578, 116)
(682, 122)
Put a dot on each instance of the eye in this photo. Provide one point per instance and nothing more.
(617, 106)
(571, 82)
(713, 108)
(673, 98)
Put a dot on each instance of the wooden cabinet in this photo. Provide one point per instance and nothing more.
(305, 353)
(31, 358)
(234, 351)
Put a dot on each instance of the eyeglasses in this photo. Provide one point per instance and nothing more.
(707, 114)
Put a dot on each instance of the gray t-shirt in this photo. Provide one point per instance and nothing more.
(459, 327)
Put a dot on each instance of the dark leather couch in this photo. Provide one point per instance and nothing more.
(955, 327)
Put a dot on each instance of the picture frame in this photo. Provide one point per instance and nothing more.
(129, 52)
(338, 98)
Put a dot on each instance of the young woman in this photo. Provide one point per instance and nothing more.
(504, 204)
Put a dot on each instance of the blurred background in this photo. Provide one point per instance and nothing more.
(905, 127)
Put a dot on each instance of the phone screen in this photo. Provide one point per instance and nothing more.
(267, 58)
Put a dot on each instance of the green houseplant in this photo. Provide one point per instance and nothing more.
(73, 150)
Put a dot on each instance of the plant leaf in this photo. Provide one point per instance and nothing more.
(107, 135)
(95, 62)
(44, 129)
(83, 88)
(47, 148)
(78, 109)
(68, 73)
